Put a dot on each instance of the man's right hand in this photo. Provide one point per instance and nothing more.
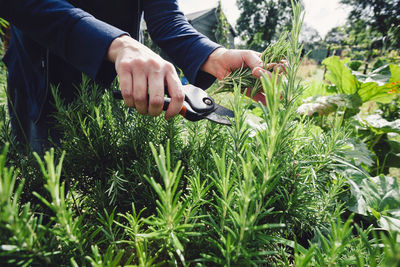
(142, 72)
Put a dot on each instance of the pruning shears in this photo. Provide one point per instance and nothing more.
(198, 105)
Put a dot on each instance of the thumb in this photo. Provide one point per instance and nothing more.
(252, 59)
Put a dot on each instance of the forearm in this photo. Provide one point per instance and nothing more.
(68, 32)
(189, 49)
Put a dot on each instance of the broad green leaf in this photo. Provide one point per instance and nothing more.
(377, 196)
(357, 202)
(340, 75)
(371, 91)
(324, 105)
(380, 125)
(393, 157)
(376, 214)
(358, 151)
(380, 76)
(395, 70)
(390, 223)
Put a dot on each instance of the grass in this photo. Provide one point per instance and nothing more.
(311, 71)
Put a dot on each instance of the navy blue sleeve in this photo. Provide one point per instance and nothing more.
(170, 30)
(68, 32)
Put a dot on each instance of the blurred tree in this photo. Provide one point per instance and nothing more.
(336, 36)
(335, 39)
(310, 37)
(222, 29)
(312, 42)
(383, 16)
(261, 21)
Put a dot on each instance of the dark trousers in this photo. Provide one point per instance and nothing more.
(28, 132)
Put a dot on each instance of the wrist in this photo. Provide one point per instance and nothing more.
(116, 45)
(214, 64)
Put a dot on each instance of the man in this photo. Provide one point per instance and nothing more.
(54, 41)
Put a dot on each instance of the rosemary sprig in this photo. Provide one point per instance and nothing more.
(274, 53)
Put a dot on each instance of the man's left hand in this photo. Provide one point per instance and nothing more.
(222, 61)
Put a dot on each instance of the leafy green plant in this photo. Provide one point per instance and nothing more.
(3, 24)
(357, 88)
(378, 197)
(68, 229)
(21, 232)
(344, 244)
(354, 65)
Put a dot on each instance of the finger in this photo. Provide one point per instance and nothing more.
(177, 96)
(284, 66)
(125, 83)
(279, 68)
(270, 66)
(251, 59)
(258, 72)
(156, 93)
(140, 91)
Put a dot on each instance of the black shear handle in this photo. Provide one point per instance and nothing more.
(186, 110)
(118, 95)
(196, 97)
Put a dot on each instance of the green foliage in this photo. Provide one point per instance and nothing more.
(353, 89)
(20, 229)
(262, 22)
(3, 24)
(379, 15)
(391, 111)
(337, 246)
(222, 29)
(378, 197)
(354, 65)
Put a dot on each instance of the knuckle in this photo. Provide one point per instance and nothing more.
(141, 99)
(129, 102)
(123, 66)
(156, 101)
(154, 64)
(169, 67)
(180, 96)
(141, 111)
(137, 63)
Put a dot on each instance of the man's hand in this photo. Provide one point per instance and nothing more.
(141, 72)
(222, 61)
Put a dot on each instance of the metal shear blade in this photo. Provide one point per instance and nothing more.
(214, 117)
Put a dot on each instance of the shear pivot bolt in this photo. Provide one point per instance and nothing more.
(207, 101)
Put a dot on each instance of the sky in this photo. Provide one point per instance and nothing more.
(322, 15)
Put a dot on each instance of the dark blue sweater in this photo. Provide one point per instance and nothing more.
(54, 42)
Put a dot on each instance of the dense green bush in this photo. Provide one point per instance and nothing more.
(354, 65)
